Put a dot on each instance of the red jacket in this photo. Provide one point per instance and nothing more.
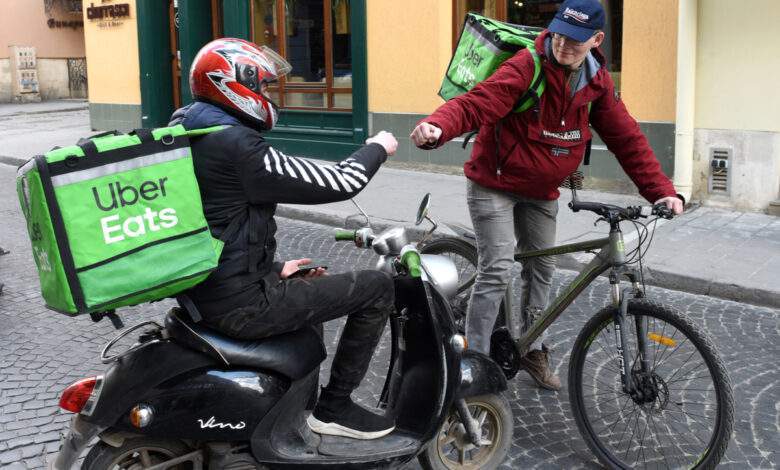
(540, 148)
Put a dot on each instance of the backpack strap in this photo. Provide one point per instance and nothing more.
(188, 305)
(586, 158)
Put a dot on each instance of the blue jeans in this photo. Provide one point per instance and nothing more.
(505, 223)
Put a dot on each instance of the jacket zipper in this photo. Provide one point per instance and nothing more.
(565, 104)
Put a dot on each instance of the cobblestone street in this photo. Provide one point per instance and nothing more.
(41, 352)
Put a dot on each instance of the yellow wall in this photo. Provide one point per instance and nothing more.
(409, 48)
(738, 65)
(649, 59)
(113, 71)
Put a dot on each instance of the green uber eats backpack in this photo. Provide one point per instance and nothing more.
(117, 220)
(485, 44)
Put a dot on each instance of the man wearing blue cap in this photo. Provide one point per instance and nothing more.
(519, 160)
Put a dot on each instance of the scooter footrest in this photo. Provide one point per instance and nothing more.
(395, 443)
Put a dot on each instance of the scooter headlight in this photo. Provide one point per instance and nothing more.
(459, 343)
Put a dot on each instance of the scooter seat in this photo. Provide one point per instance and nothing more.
(292, 354)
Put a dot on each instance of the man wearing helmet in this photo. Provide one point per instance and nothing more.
(242, 178)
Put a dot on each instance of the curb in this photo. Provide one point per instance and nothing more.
(45, 111)
(13, 161)
(653, 277)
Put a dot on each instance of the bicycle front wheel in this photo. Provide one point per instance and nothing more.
(684, 413)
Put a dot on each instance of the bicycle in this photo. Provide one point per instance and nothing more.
(630, 361)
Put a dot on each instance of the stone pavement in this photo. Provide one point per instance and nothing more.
(717, 252)
(41, 352)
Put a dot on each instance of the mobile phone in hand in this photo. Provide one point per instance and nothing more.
(301, 272)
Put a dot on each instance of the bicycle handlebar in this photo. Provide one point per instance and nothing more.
(610, 211)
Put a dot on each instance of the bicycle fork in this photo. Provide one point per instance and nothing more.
(629, 376)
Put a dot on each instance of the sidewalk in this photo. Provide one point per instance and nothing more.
(52, 106)
(708, 251)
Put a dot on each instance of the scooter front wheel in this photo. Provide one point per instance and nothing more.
(452, 449)
(135, 454)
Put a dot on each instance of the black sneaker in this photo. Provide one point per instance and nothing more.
(349, 420)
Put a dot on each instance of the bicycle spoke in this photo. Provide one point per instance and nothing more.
(613, 392)
(658, 440)
(604, 418)
(683, 365)
(658, 345)
(641, 446)
(631, 439)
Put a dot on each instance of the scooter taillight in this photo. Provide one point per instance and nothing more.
(77, 394)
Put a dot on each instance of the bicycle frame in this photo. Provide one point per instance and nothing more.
(610, 255)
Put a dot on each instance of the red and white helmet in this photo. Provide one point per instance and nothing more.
(229, 73)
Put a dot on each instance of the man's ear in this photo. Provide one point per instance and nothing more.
(598, 39)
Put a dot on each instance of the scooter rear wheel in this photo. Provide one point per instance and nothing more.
(134, 454)
(452, 448)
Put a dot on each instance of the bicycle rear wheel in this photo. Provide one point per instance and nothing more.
(685, 415)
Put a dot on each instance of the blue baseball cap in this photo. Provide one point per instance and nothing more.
(578, 19)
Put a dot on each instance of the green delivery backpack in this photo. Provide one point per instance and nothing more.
(485, 44)
(117, 220)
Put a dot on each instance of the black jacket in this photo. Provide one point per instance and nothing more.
(242, 178)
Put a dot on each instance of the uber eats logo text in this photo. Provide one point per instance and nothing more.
(114, 196)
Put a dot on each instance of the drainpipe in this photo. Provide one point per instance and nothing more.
(687, 17)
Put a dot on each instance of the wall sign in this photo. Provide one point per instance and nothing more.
(108, 15)
(65, 24)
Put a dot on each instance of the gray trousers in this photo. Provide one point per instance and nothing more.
(505, 222)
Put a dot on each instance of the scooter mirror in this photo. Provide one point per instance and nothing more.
(422, 212)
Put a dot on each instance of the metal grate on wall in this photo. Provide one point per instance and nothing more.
(720, 163)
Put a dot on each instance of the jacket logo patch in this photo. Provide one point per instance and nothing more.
(558, 151)
(569, 136)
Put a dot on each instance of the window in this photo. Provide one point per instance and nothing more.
(539, 13)
(314, 36)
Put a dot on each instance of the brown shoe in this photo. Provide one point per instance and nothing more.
(537, 363)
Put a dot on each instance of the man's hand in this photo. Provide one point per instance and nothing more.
(293, 265)
(386, 140)
(672, 202)
(425, 135)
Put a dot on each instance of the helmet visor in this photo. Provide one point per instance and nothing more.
(280, 67)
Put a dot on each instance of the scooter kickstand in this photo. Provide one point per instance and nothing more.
(471, 424)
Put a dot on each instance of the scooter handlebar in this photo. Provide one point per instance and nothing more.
(344, 235)
(410, 258)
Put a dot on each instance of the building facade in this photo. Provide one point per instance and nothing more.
(697, 76)
(42, 52)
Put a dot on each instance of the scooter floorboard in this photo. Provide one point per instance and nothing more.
(394, 444)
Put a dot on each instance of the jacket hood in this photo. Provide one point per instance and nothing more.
(199, 115)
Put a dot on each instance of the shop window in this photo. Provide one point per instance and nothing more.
(539, 13)
(314, 37)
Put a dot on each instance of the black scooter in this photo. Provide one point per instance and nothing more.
(184, 396)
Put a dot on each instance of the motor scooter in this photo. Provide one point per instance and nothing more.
(186, 396)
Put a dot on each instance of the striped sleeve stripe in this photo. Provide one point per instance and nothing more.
(357, 174)
(355, 164)
(287, 166)
(324, 170)
(267, 163)
(300, 168)
(352, 181)
(332, 170)
(276, 160)
(314, 172)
